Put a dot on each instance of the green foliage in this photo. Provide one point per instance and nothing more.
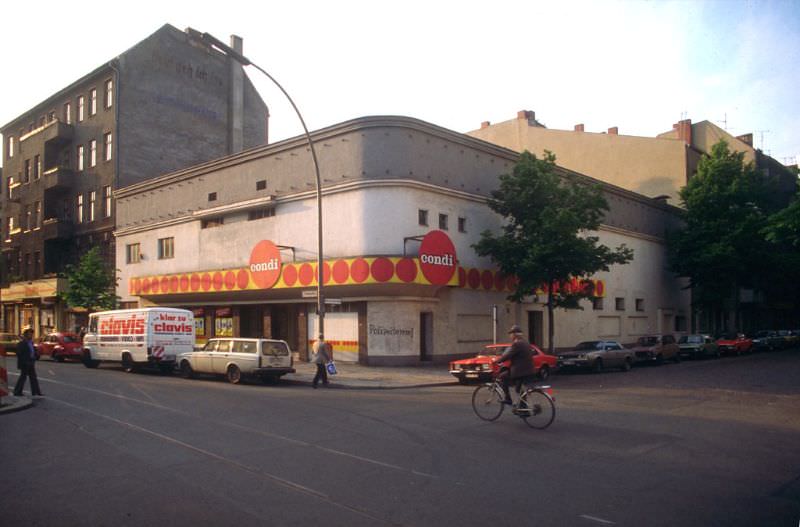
(91, 284)
(545, 240)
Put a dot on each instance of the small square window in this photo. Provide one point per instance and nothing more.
(597, 304)
(132, 253)
(212, 196)
(166, 248)
(423, 217)
(462, 224)
(261, 184)
(443, 221)
(619, 302)
(640, 304)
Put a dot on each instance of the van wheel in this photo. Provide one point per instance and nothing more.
(234, 374)
(88, 362)
(186, 370)
(127, 363)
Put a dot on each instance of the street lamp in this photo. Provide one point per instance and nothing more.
(244, 61)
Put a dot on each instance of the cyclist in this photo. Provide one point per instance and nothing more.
(521, 369)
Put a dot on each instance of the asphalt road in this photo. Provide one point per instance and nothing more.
(703, 443)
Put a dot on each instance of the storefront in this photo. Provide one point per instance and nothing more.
(36, 304)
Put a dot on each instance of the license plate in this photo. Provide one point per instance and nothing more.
(568, 363)
(472, 375)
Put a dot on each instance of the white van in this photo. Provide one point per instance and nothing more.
(152, 336)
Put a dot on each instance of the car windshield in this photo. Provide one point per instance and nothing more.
(493, 350)
(589, 345)
(647, 341)
(691, 339)
(68, 340)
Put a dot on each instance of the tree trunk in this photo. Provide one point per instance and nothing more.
(550, 323)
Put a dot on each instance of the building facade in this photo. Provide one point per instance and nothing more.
(403, 201)
(166, 103)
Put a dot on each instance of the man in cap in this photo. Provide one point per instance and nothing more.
(26, 362)
(521, 368)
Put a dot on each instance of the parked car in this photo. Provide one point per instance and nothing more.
(767, 340)
(483, 367)
(697, 346)
(8, 343)
(734, 344)
(236, 358)
(657, 348)
(59, 346)
(790, 338)
(597, 355)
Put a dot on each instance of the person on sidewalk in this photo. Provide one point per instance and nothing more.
(323, 354)
(26, 362)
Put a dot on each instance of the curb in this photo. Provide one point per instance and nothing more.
(347, 386)
(17, 404)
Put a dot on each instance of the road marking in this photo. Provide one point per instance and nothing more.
(596, 519)
(291, 485)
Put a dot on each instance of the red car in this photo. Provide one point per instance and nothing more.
(734, 344)
(483, 368)
(60, 346)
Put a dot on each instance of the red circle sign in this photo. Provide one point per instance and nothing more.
(437, 258)
(265, 264)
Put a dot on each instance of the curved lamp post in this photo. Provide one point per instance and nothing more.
(244, 61)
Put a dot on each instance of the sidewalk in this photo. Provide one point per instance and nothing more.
(12, 403)
(357, 376)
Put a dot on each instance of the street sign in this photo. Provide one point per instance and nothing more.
(334, 301)
(311, 293)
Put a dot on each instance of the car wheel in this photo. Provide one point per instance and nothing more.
(677, 358)
(598, 366)
(544, 372)
(127, 363)
(462, 380)
(186, 370)
(56, 357)
(233, 374)
(659, 359)
(627, 365)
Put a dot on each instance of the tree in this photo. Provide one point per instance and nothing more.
(91, 284)
(546, 241)
(722, 247)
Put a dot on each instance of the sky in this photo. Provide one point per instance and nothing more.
(637, 65)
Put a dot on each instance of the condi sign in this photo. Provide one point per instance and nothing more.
(265, 264)
(437, 258)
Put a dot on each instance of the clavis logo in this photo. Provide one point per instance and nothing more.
(438, 259)
(269, 265)
(129, 326)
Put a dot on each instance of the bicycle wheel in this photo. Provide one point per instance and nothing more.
(537, 409)
(487, 402)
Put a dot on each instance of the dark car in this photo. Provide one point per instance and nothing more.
(697, 346)
(597, 355)
(59, 346)
(767, 340)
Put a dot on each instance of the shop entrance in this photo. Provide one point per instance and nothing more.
(251, 322)
(536, 328)
(425, 336)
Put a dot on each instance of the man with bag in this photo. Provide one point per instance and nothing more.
(26, 362)
(323, 355)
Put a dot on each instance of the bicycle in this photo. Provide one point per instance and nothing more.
(536, 405)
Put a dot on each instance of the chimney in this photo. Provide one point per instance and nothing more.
(579, 127)
(485, 124)
(526, 114)
(613, 130)
(236, 101)
(746, 138)
(684, 129)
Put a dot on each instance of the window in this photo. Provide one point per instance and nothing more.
(81, 107)
(597, 304)
(68, 113)
(619, 302)
(640, 304)
(260, 213)
(423, 217)
(37, 214)
(443, 221)
(132, 253)
(37, 264)
(680, 323)
(26, 176)
(462, 224)
(93, 153)
(51, 116)
(92, 101)
(261, 184)
(107, 146)
(212, 196)
(80, 158)
(37, 166)
(92, 203)
(212, 222)
(166, 248)
(109, 102)
(79, 208)
(107, 201)
(10, 146)
(28, 266)
(26, 225)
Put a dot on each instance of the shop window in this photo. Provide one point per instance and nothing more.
(640, 304)
(443, 221)
(619, 303)
(166, 248)
(597, 304)
(423, 217)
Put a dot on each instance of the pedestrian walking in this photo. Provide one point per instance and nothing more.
(26, 362)
(323, 354)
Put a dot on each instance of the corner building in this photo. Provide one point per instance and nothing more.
(403, 201)
(166, 103)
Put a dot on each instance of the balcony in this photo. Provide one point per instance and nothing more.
(57, 132)
(55, 228)
(58, 178)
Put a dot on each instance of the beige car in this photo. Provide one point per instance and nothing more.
(236, 358)
(657, 348)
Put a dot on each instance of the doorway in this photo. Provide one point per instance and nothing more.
(536, 328)
(426, 336)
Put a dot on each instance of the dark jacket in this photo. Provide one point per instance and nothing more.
(23, 354)
(521, 357)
